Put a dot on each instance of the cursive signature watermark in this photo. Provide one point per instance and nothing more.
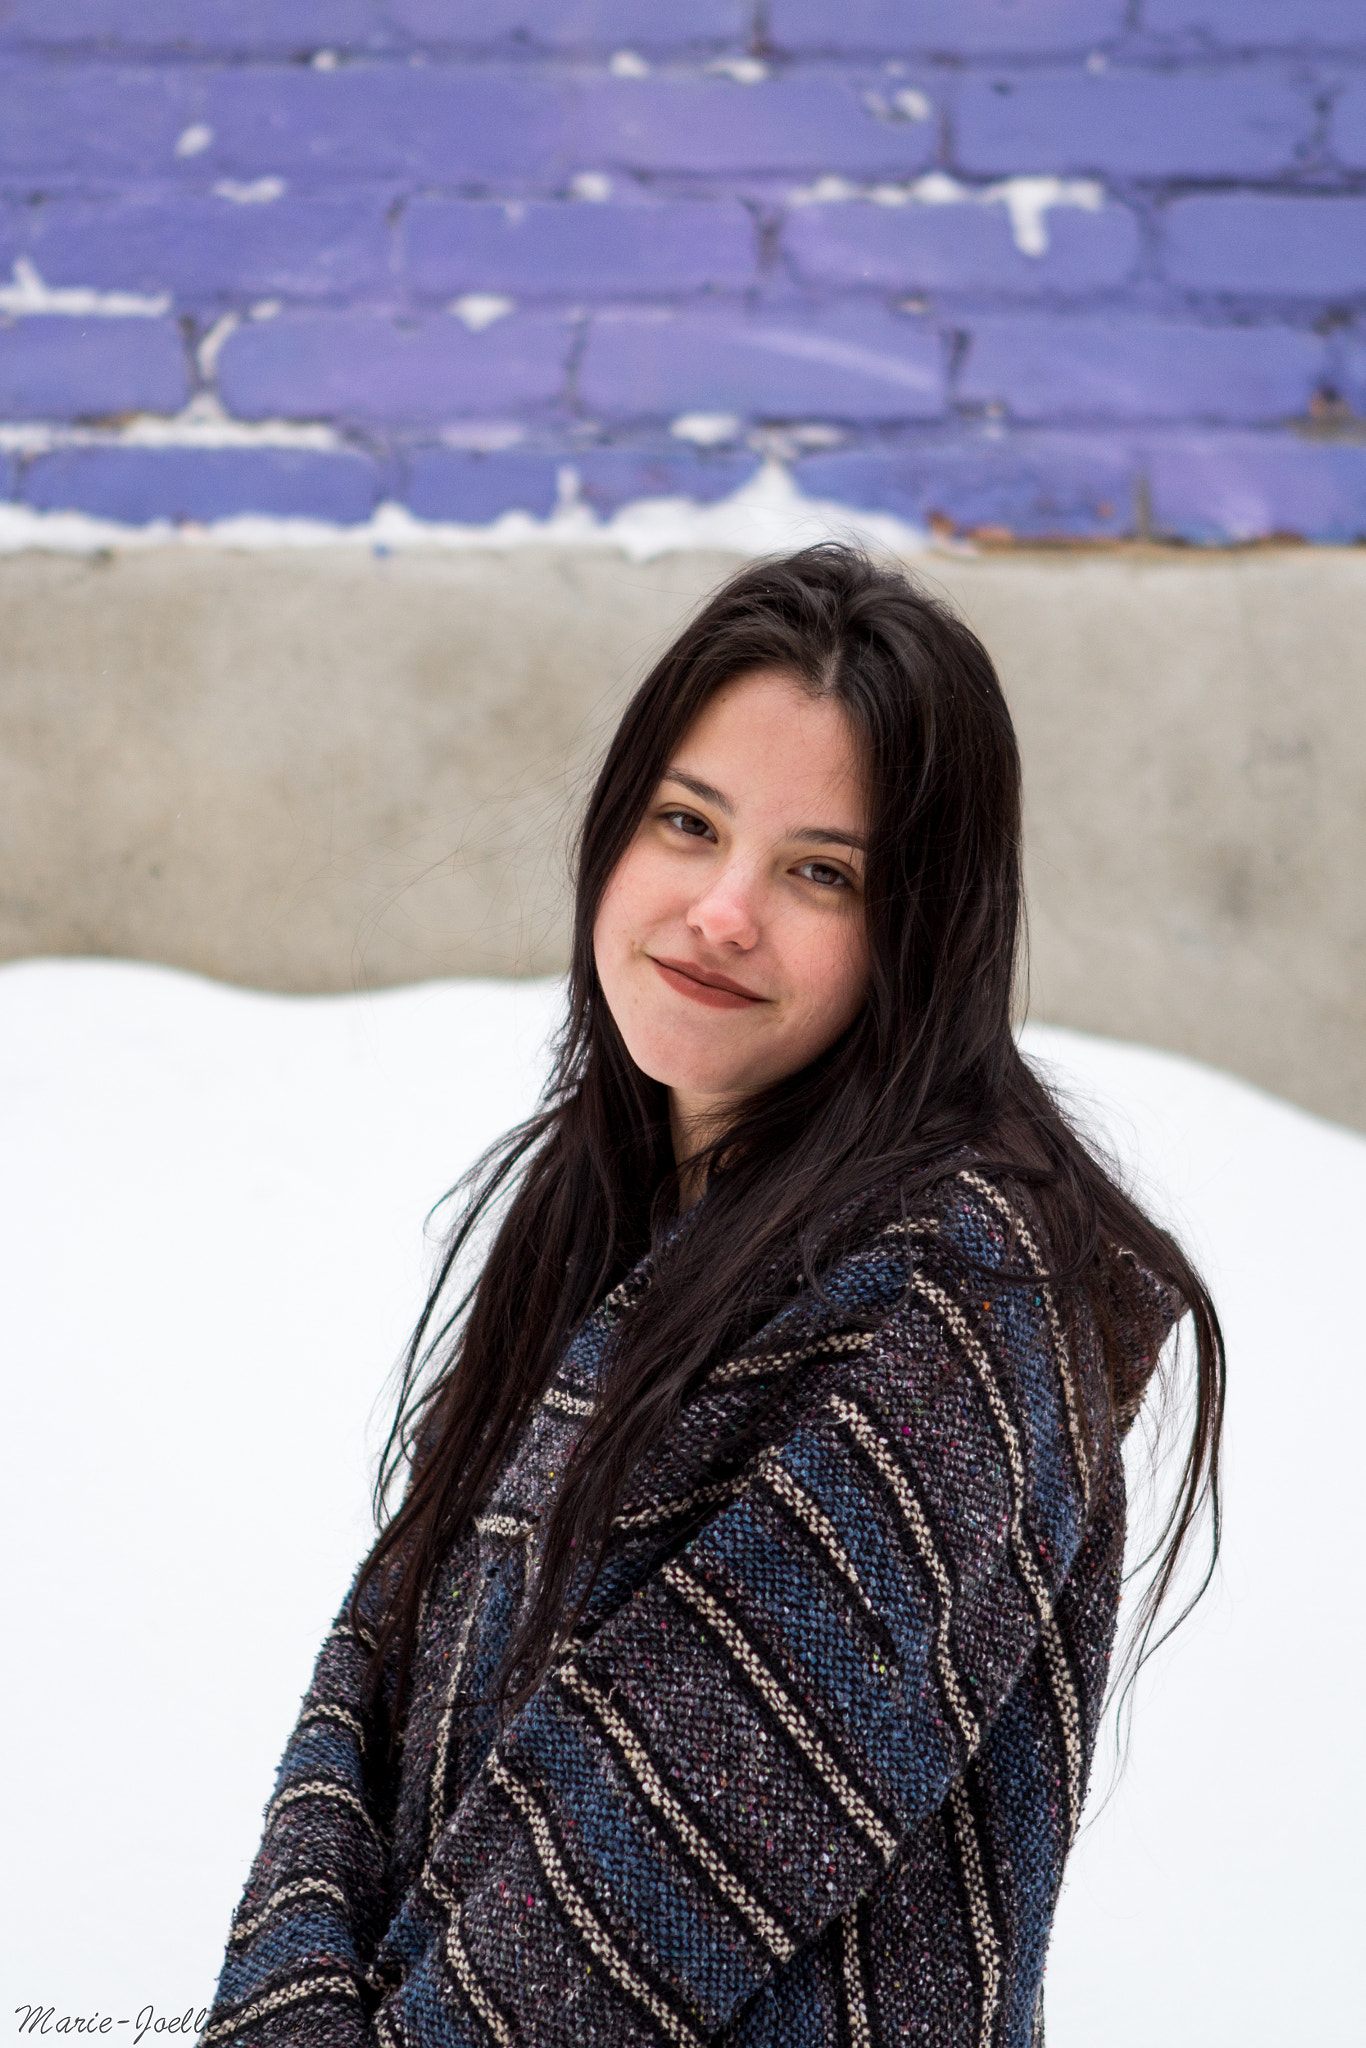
(45, 2019)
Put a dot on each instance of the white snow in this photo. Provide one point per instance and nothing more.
(907, 105)
(479, 310)
(707, 429)
(1027, 200)
(211, 346)
(202, 423)
(744, 70)
(250, 191)
(768, 514)
(212, 1247)
(485, 436)
(27, 293)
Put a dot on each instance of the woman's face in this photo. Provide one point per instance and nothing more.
(730, 941)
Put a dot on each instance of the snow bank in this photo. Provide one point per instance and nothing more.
(767, 515)
(211, 1236)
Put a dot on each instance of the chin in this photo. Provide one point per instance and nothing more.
(727, 1081)
(699, 1079)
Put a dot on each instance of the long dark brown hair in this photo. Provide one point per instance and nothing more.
(930, 1066)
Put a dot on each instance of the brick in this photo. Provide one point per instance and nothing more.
(1350, 370)
(1217, 488)
(197, 245)
(229, 26)
(1038, 486)
(508, 125)
(66, 369)
(1135, 123)
(369, 367)
(1267, 242)
(140, 484)
(852, 362)
(15, 226)
(573, 246)
(1348, 132)
(1252, 24)
(969, 28)
(574, 24)
(964, 247)
(447, 123)
(788, 124)
(612, 477)
(458, 484)
(450, 123)
(100, 119)
(1128, 369)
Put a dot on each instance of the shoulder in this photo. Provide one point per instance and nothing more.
(967, 1215)
(945, 1273)
(986, 1252)
(974, 1291)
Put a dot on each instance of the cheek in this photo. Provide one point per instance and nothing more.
(832, 970)
(631, 903)
(609, 935)
(633, 895)
(619, 910)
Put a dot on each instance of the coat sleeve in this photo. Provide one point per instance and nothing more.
(740, 1751)
(314, 1905)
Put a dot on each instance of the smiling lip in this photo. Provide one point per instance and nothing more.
(713, 990)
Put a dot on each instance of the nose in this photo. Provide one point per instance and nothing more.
(726, 914)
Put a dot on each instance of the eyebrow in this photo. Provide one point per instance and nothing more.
(813, 835)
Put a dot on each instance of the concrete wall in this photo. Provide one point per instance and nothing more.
(1078, 267)
(331, 768)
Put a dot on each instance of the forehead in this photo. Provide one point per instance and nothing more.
(764, 740)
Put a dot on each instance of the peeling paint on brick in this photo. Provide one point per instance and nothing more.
(27, 294)
(1070, 269)
(1027, 200)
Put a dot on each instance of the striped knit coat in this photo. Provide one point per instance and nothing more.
(810, 1773)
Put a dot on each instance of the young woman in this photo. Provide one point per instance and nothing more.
(732, 1667)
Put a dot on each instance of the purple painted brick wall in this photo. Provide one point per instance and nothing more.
(967, 26)
(1348, 132)
(852, 362)
(367, 367)
(79, 369)
(1255, 243)
(574, 24)
(1053, 368)
(139, 484)
(546, 248)
(203, 247)
(1240, 488)
(1250, 24)
(472, 488)
(1057, 267)
(612, 477)
(226, 26)
(1207, 123)
(919, 247)
(1033, 485)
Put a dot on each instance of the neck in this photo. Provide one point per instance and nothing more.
(695, 1122)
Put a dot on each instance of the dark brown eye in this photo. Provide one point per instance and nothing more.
(827, 877)
(689, 822)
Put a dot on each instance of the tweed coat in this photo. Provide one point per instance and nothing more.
(810, 1771)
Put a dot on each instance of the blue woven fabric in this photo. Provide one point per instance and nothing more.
(810, 1771)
